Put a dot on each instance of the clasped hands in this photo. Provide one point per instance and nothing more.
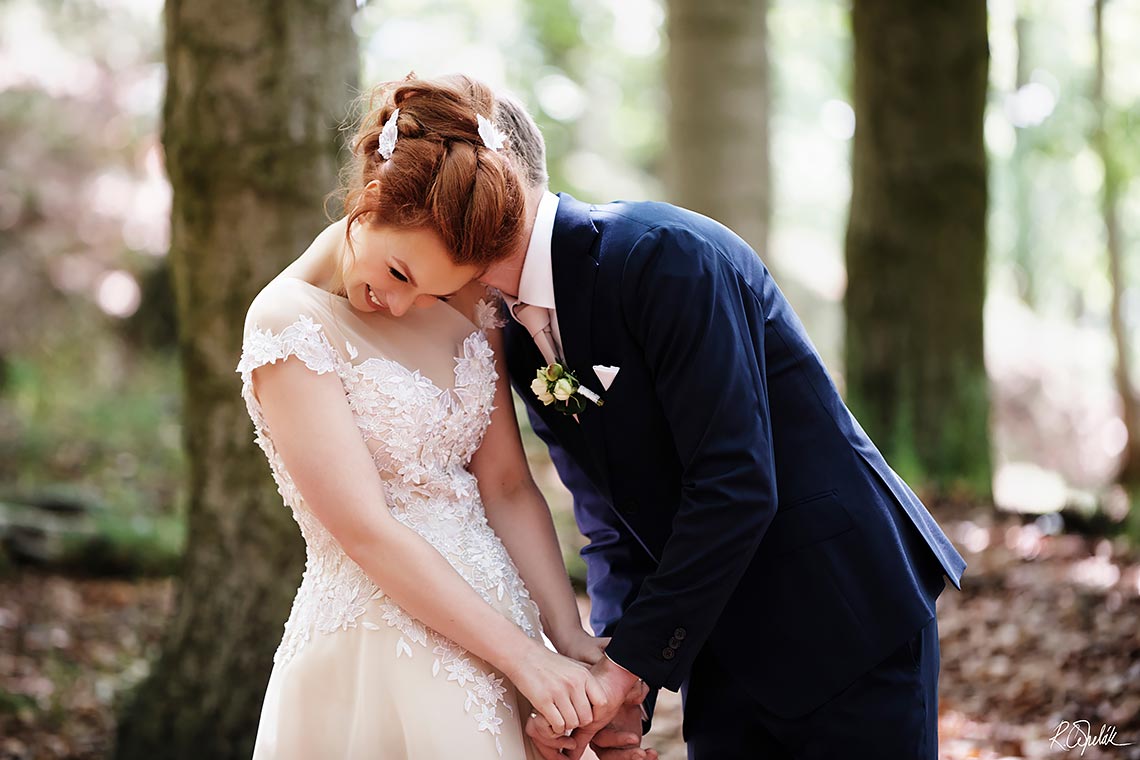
(582, 691)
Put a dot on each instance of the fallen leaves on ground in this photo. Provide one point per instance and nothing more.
(1045, 633)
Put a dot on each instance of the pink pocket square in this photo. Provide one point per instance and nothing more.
(606, 374)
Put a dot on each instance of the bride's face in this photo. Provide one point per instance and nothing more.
(396, 269)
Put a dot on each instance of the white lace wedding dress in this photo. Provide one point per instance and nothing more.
(355, 676)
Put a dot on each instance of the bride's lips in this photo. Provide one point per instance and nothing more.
(373, 298)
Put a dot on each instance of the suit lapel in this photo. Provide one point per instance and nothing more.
(523, 360)
(574, 264)
(574, 270)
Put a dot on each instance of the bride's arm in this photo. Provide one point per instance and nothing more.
(317, 438)
(518, 513)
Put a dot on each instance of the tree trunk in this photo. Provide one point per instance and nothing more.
(1025, 251)
(254, 96)
(916, 239)
(717, 77)
(1129, 474)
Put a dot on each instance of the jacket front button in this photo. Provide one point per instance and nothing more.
(679, 634)
(668, 653)
(630, 508)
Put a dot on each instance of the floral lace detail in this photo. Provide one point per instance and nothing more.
(485, 692)
(490, 314)
(423, 438)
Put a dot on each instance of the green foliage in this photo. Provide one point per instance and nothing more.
(13, 703)
(936, 453)
(556, 24)
(93, 423)
(7, 566)
(1132, 522)
(127, 546)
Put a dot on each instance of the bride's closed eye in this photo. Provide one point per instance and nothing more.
(402, 278)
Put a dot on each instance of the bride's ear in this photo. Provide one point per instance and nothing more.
(369, 193)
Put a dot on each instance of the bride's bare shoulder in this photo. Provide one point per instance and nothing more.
(317, 262)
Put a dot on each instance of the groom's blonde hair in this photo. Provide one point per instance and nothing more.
(524, 139)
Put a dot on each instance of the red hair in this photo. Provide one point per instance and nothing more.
(440, 175)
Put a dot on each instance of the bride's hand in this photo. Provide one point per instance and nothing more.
(561, 689)
(585, 648)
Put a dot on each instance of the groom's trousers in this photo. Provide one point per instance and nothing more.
(891, 711)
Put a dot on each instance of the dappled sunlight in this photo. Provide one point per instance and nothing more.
(972, 537)
(1043, 631)
(1031, 104)
(1095, 572)
(1055, 412)
(118, 293)
(1025, 487)
(838, 119)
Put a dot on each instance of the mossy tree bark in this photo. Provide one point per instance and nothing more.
(254, 96)
(717, 160)
(916, 239)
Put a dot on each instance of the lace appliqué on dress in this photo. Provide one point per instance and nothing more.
(490, 314)
(424, 439)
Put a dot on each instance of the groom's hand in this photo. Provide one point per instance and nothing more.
(583, 647)
(546, 740)
(621, 738)
(617, 683)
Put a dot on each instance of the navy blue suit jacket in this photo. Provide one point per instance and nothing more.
(730, 499)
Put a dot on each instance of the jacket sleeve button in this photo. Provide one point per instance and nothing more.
(679, 634)
(668, 653)
(674, 642)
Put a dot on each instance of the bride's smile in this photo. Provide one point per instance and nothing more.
(395, 269)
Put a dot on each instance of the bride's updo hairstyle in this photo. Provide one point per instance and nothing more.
(439, 175)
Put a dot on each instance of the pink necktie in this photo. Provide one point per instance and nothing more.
(536, 320)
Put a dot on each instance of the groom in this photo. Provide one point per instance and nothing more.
(749, 545)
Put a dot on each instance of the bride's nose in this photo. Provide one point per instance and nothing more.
(398, 305)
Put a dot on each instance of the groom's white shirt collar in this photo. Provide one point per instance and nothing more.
(536, 283)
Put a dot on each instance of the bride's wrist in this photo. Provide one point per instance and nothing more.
(519, 658)
(508, 653)
(568, 638)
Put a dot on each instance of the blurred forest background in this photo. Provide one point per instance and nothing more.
(924, 206)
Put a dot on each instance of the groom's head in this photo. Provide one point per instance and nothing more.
(525, 145)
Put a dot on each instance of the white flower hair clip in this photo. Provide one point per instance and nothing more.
(388, 136)
(489, 133)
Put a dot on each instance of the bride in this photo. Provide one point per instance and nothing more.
(390, 431)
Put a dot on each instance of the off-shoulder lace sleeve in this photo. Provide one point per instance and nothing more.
(282, 322)
(303, 338)
(279, 325)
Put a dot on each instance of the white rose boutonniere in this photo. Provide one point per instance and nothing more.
(554, 385)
